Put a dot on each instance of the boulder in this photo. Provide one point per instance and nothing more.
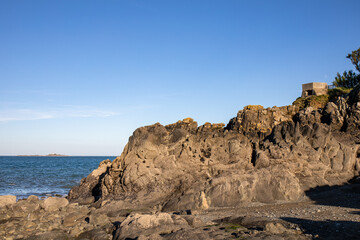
(33, 198)
(27, 206)
(99, 219)
(7, 200)
(54, 203)
(136, 225)
(74, 218)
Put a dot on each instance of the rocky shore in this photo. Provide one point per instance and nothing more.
(331, 213)
(275, 173)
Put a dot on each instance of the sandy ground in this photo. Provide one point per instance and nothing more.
(328, 213)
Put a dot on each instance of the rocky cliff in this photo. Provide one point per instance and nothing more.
(262, 155)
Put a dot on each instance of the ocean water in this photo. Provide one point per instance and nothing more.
(44, 176)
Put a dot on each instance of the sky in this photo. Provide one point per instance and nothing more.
(78, 77)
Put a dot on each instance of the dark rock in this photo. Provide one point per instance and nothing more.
(85, 200)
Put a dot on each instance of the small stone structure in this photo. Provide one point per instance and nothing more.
(314, 89)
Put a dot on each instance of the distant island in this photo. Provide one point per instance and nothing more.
(49, 155)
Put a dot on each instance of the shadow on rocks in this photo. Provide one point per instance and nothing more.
(328, 229)
(346, 195)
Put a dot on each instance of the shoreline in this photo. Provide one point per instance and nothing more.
(321, 215)
(48, 155)
(114, 156)
(44, 176)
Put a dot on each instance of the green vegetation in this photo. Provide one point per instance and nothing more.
(349, 79)
(354, 57)
(337, 92)
(232, 227)
(343, 85)
(313, 101)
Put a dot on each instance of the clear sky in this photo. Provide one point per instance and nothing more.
(78, 77)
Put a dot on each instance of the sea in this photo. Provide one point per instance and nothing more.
(23, 176)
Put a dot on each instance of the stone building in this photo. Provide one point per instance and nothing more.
(314, 89)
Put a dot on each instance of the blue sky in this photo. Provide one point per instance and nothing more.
(78, 77)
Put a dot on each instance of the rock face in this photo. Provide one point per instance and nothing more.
(262, 155)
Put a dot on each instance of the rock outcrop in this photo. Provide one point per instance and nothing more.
(184, 181)
(262, 155)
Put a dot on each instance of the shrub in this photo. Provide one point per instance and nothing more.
(337, 92)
